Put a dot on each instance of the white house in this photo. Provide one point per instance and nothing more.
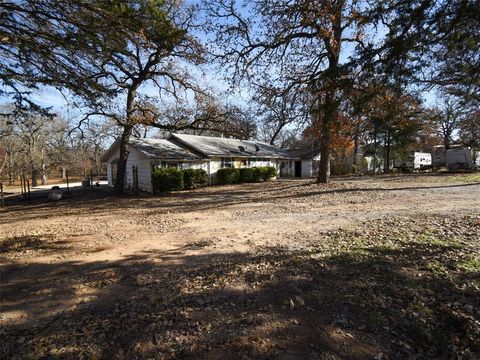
(209, 153)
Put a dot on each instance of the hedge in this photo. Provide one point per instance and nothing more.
(258, 174)
(167, 179)
(194, 178)
(269, 172)
(246, 175)
(228, 176)
(243, 175)
(171, 179)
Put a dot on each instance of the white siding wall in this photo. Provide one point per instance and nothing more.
(306, 168)
(136, 158)
(114, 156)
(215, 165)
(109, 174)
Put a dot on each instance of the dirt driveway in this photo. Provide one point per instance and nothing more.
(363, 268)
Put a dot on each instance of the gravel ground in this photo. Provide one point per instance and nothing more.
(364, 268)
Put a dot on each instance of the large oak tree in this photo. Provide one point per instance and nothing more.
(308, 46)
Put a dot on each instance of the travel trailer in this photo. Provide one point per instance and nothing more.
(414, 161)
(459, 159)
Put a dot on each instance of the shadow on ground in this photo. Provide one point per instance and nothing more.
(103, 200)
(367, 302)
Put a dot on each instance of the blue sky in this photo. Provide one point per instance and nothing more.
(208, 75)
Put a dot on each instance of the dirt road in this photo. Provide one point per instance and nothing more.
(284, 269)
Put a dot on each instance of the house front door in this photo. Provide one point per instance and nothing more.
(298, 169)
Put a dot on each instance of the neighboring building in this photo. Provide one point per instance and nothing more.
(204, 152)
(306, 163)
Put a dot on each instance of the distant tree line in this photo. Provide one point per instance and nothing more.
(40, 148)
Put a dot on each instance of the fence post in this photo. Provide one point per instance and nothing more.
(21, 184)
(136, 180)
(1, 195)
(68, 185)
(24, 185)
(29, 196)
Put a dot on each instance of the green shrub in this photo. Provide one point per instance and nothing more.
(257, 175)
(194, 178)
(246, 175)
(269, 173)
(167, 179)
(228, 176)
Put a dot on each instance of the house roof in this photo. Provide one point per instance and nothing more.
(155, 149)
(217, 146)
(304, 153)
(162, 149)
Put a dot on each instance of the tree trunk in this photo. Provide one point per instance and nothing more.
(122, 161)
(374, 153)
(326, 134)
(446, 142)
(324, 166)
(386, 168)
(355, 148)
(127, 133)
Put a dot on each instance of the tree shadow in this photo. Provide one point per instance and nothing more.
(101, 201)
(37, 245)
(273, 303)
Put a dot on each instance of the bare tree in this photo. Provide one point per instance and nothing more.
(446, 119)
(278, 111)
(304, 44)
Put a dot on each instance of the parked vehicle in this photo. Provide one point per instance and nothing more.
(414, 161)
(459, 159)
(438, 160)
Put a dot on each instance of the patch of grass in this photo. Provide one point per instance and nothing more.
(472, 264)
(435, 240)
(423, 310)
(437, 268)
(359, 253)
(385, 248)
(465, 178)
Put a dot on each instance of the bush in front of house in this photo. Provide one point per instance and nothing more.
(167, 179)
(228, 176)
(194, 178)
(258, 172)
(269, 172)
(246, 175)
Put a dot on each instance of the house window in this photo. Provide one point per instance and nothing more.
(227, 162)
(159, 164)
(165, 164)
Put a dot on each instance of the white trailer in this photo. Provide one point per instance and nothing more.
(459, 158)
(415, 161)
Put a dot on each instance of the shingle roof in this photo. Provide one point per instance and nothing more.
(304, 153)
(162, 149)
(217, 146)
